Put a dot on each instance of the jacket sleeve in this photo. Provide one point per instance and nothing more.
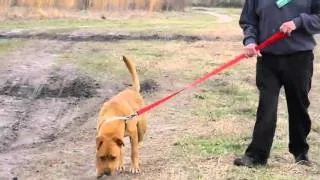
(249, 22)
(310, 22)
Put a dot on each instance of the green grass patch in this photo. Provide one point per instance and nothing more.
(168, 22)
(222, 99)
(279, 145)
(229, 11)
(8, 45)
(261, 173)
(212, 146)
(97, 64)
(150, 50)
(104, 59)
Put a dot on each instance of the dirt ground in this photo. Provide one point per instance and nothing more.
(48, 111)
(48, 118)
(39, 104)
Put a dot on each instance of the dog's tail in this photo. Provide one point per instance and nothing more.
(132, 69)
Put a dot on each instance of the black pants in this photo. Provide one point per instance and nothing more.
(294, 72)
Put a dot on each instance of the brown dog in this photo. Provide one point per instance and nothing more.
(111, 130)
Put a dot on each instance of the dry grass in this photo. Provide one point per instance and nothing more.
(137, 23)
(4, 4)
(17, 9)
(152, 5)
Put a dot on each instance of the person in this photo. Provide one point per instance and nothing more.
(287, 63)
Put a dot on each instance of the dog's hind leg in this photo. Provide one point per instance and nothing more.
(142, 127)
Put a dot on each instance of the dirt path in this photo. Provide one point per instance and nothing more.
(222, 18)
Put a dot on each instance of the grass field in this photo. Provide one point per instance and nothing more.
(194, 136)
(189, 22)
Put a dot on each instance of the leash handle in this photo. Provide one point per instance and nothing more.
(274, 38)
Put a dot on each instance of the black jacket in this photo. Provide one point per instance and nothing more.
(262, 18)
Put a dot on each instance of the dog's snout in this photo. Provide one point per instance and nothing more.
(107, 172)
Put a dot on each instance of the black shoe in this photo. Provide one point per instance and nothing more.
(248, 161)
(303, 159)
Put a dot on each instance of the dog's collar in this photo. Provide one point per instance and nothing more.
(115, 118)
(122, 118)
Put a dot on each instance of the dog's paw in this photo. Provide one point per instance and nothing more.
(98, 176)
(135, 169)
(120, 169)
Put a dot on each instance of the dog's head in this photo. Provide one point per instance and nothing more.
(107, 154)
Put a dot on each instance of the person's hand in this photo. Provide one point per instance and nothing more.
(250, 50)
(288, 27)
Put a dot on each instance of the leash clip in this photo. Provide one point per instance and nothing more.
(127, 118)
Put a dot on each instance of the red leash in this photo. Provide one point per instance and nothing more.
(274, 38)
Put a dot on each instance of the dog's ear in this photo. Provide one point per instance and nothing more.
(118, 141)
(99, 141)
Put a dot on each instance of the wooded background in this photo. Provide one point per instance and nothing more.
(153, 5)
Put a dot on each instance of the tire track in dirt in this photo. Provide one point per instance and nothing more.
(39, 105)
(20, 107)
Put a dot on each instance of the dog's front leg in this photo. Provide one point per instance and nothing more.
(121, 166)
(134, 153)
